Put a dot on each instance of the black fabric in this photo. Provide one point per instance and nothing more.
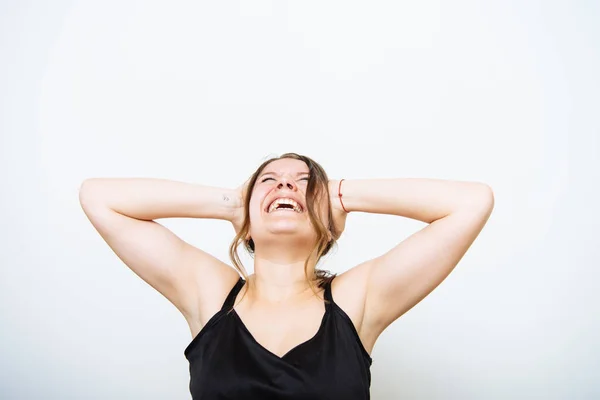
(226, 362)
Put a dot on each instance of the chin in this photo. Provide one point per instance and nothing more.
(292, 232)
(289, 231)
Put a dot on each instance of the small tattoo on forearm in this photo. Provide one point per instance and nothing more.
(225, 197)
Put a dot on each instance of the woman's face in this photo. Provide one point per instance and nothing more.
(278, 201)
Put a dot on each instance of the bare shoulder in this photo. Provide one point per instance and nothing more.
(212, 278)
(349, 292)
(212, 282)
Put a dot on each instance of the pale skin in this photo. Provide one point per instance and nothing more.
(279, 309)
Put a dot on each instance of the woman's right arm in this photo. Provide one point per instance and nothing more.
(123, 211)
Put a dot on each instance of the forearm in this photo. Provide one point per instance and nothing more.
(150, 198)
(422, 199)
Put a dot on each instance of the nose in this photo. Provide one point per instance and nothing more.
(285, 182)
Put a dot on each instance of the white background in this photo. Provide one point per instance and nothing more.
(503, 92)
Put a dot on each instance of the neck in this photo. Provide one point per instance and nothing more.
(283, 249)
(279, 279)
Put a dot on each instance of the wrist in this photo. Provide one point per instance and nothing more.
(336, 192)
(225, 204)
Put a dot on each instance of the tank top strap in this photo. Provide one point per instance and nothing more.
(228, 304)
(327, 294)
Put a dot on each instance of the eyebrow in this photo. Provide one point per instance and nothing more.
(275, 173)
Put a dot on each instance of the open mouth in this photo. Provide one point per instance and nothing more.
(284, 204)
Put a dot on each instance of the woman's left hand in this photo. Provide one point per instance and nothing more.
(339, 215)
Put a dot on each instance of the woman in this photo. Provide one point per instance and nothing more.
(290, 330)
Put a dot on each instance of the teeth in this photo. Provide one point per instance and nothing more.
(279, 201)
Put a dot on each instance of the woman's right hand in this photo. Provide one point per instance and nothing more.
(237, 218)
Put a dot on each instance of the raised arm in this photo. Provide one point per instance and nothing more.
(123, 211)
(391, 284)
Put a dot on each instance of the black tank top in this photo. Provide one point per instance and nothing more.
(226, 362)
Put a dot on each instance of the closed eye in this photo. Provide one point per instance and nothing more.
(266, 179)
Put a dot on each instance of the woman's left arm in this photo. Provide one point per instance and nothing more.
(455, 212)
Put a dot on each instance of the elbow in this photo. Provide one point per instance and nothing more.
(89, 193)
(488, 195)
(484, 200)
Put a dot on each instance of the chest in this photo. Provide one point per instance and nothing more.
(228, 363)
(279, 331)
